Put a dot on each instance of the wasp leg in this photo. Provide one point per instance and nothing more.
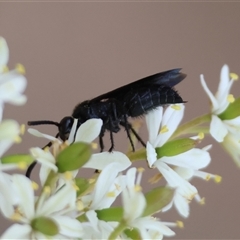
(33, 164)
(111, 134)
(128, 127)
(101, 139)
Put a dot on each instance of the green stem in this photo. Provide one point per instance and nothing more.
(117, 231)
(192, 126)
(49, 182)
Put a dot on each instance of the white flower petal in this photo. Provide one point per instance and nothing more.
(101, 160)
(89, 130)
(17, 231)
(171, 120)
(153, 120)
(212, 98)
(217, 129)
(4, 53)
(66, 196)
(103, 184)
(36, 133)
(193, 159)
(151, 154)
(73, 131)
(69, 227)
(26, 194)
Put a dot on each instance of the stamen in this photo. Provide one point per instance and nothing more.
(80, 205)
(230, 98)
(20, 69)
(35, 185)
(5, 69)
(17, 139)
(180, 224)
(137, 188)
(16, 217)
(176, 107)
(111, 194)
(22, 129)
(22, 165)
(68, 175)
(94, 145)
(217, 179)
(47, 190)
(201, 135)
(155, 178)
(75, 187)
(234, 76)
(164, 129)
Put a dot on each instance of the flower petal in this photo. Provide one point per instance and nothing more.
(217, 129)
(89, 130)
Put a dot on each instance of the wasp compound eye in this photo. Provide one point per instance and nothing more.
(65, 127)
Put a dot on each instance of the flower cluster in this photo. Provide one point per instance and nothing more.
(65, 205)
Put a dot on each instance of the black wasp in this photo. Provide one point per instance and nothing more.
(114, 108)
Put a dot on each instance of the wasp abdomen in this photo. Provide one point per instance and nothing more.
(145, 99)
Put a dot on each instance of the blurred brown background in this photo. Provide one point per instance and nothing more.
(74, 51)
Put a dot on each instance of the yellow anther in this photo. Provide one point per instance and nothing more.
(17, 139)
(20, 68)
(46, 149)
(137, 188)
(91, 180)
(94, 145)
(140, 169)
(176, 107)
(118, 187)
(202, 201)
(201, 135)
(80, 205)
(47, 190)
(68, 175)
(22, 165)
(5, 69)
(180, 224)
(234, 76)
(217, 179)
(208, 177)
(22, 129)
(155, 178)
(230, 98)
(111, 194)
(75, 187)
(164, 129)
(34, 185)
(16, 216)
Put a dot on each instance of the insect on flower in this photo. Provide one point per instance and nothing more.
(115, 107)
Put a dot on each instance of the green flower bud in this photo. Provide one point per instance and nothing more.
(45, 225)
(19, 158)
(73, 157)
(232, 111)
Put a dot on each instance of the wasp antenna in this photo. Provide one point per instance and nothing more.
(43, 122)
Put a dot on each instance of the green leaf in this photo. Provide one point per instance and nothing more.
(110, 214)
(157, 199)
(176, 147)
(73, 157)
(133, 233)
(28, 159)
(82, 184)
(45, 225)
(232, 111)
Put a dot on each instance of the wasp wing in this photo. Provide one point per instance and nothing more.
(168, 78)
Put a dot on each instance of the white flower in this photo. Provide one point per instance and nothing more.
(58, 207)
(220, 102)
(95, 228)
(9, 134)
(134, 204)
(12, 83)
(191, 160)
(108, 186)
(231, 142)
